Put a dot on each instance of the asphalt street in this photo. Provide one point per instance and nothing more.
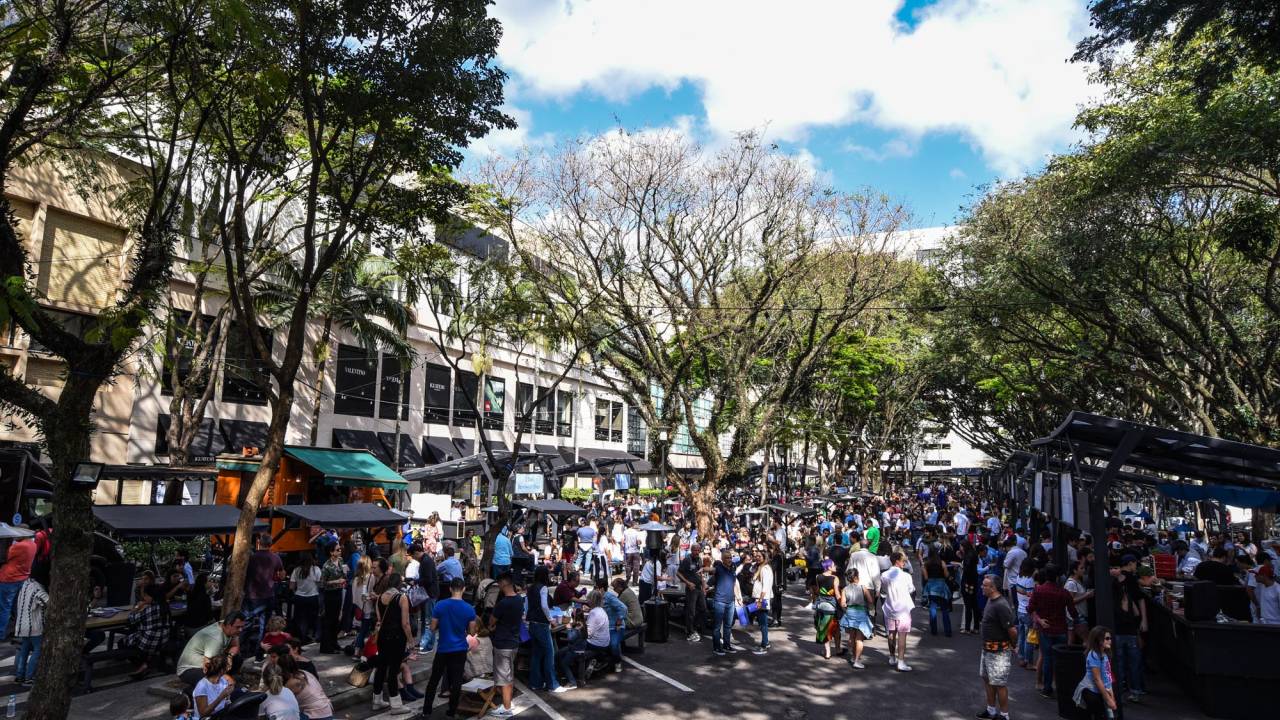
(793, 681)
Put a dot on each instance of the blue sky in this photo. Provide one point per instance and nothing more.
(926, 100)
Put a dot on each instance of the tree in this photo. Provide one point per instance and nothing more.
(86, 83)
(722, 277)
(361, 109)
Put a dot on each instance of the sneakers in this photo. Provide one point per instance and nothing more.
(379, 703)
(398, 707)
(719, 653)
(903, 667)
(760, 650)
(501, 712)
(893, 661)
(858, 665)
(986, 715)
(730, 649)
(809, 606)
(564, 689)
(694, 637)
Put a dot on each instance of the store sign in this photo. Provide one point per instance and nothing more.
(529, 483)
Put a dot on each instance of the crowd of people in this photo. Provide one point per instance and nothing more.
(572, 588)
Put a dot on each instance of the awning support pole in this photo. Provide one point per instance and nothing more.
(1104, 598)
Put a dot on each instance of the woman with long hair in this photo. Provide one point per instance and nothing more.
(938, 592)
(304, 581)
(1096, 690)
(393, 638)
(281, 704)
(825, 607)
(762, 592)
(542, 656)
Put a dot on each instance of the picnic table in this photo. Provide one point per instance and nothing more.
(112, 620)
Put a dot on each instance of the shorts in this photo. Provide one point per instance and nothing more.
(899, 623)
(504, 666)
(994, 667)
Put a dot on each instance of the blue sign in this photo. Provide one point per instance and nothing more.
(529, 483)
(622, 481)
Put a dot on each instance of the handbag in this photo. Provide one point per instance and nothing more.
(417, 596)
(359, 675)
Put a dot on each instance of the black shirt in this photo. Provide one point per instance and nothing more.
(1216, 572)
(691, 573)
(997, 618)
(507, 611)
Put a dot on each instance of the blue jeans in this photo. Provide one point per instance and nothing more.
(1026, 651)
(615, 644)
(1128, 661)
(256, 614)
(1047, 643)
(762, 617)
(542, 658)
(499, 569)
(366, 627)
(583, 560)
(428, 639)
(722, 617)
(8, 598)
(28, 658)
(939, 606)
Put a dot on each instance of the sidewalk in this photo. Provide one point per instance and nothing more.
(149, 699)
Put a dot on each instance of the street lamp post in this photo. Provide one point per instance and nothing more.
(662, 504)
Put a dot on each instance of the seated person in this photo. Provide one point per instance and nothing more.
(215, 688)
(567, 591)
(595, 644)
(216, 640)
(148, 629)
(306, 687)
(635, 615)
(293, 650)
(275, 634)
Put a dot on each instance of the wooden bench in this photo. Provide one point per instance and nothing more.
(89, 660)
(634, 632)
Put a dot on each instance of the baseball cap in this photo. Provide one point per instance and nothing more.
(1128, 559)
(1266, 571)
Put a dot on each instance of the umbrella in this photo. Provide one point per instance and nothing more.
(653, 526)
(1128, 513)
(751, 511)
(8, 532)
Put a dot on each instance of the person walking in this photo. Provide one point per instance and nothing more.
(393, 633)
(826, 606)
(855, 620)
(452, 620)
(999, 631)
(897, 586)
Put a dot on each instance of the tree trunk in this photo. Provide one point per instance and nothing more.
(326, 337)
(764, 477)
(703, 501)
(1261, 525)
(67, 435)
(234, 576)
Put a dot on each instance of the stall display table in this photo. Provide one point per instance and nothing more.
(1229, 668)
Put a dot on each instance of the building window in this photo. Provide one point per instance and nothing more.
(937, 463)
(495, 400)
(464, 399)
(609, 420)
(637, 433)
(180, 346)
(544, 414)
(80, 260)
(435, 408)
(356, 383)
(524, 407)
(937, 446)
(75, 323)
(564, 413)
(394, 384)
(244, 378)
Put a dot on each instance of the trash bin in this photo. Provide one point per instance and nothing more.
(656, 615)
(1068, 668)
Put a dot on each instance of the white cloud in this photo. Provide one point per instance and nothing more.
(500, 142)
(895, 148)
(957, 174)
(994, 71)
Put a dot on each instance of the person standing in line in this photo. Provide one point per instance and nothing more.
(897, 586)
(14, 572)
(1049, 607)
(695, 596)
(452, 620)
(998, 630)
(762, 588)
(333, 580)
(504, 633)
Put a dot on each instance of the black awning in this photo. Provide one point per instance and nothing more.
(409, 455)
(552, 454)
(361, 440)
(343, 515)
(240, 434)
(605, 458)
(466, 447)
(554, 506)
(790, 509)
(440, 450)
(18, 462)
(207, 445)
(177, 521)
(155, 473)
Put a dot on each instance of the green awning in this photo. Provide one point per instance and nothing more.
(348, 468)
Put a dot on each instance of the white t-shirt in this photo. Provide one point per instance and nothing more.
(411, 570)
(1013, 563)
(1076, 588)
(1268, 603)
(897, 586)
(210, 692)
(280, 707)
(308, 586)
(633, 541)
(962, 523)
(762, 586)
(993, 525)
(598, 627)
(1025, 584)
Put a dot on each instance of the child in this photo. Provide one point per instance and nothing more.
(275, 634)
(180, 707)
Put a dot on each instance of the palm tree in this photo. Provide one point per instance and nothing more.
(361, 294)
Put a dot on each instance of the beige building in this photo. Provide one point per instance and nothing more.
(79, 247)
